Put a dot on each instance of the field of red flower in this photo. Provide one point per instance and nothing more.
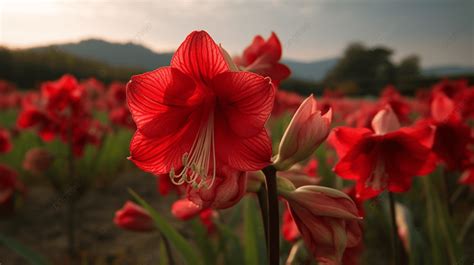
(226, 168)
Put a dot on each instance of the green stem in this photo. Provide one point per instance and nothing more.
(395, 247)
(273, 216)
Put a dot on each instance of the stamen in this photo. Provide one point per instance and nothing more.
(196, 162)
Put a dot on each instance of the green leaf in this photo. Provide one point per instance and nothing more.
(187, 251)
(251, 225)
(163, 258)
(29, 255)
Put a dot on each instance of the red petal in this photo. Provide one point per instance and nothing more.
(163, 96)
(245, 154)
(253, 51)
(344, 138)
(359, 162)
(199, 57)
(159, 155)
(246, 100)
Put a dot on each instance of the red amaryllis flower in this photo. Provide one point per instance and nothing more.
(133, 217)
(197, 115)
(262, 57)
(207, 219)
(33, 117)
(452, 136)
(116, 95)
(327, 220)
(383, 159)
(5, 143)
(9, 185)
(63, 94)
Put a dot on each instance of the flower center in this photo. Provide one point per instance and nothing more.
(200, 159)
(378, 178)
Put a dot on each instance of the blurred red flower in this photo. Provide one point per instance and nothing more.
(9, 185)
(385, 158)
(5, 141)
(133, 217)
(197, 115)
(262, 57)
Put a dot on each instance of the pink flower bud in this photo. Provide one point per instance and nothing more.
(327, 220)
(133, 217)
(306, 131)
(185, 209)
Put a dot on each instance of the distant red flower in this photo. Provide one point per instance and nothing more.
(5, 142)
(32, 117)
(133, 217)
(84, 132)
(207, 219)
(452, 137)
(196, 116)
(262, 57)
(311, 168)
(63, 97)
(9, 185)
(383, 159)
(121, 116)
(116, 95)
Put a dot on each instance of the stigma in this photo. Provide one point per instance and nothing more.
(199, 164)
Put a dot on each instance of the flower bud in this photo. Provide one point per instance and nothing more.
(133, 217)
(185, 209)
(37, 160)
(306, 131)
(327, 220)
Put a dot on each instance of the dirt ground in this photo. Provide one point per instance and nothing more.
(40, 225)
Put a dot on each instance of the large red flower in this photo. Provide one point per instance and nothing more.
(197, 116)
(262, 57)
(383, 159)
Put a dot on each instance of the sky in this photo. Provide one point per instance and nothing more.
(441, 32)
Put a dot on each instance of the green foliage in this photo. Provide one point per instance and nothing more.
(184, 248)
(28, 68)
(29, 255)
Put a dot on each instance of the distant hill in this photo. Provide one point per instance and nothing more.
(133, 55)
(116, 54)
(313, 71)
(447, 70)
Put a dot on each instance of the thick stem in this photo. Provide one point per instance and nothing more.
(395, 247)
(273, 216)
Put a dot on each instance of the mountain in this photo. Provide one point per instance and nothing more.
(116, 54)
(313, 71)
(447, 70)
(133, 55)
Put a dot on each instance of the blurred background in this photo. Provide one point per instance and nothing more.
(359, 46)
(355, 48)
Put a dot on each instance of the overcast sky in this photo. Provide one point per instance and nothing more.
(441, 32)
